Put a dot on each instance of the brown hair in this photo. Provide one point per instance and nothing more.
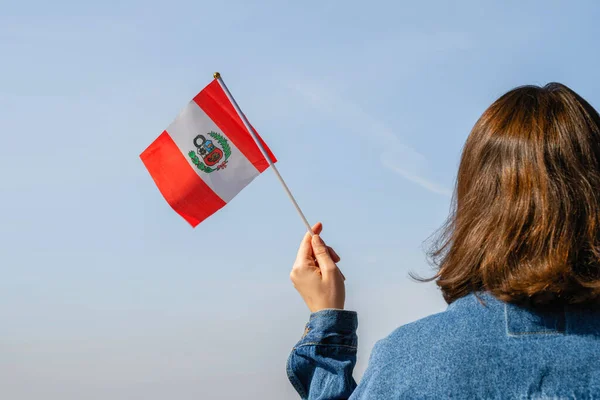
(525, 223)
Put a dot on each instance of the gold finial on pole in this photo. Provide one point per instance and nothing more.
(216, 75)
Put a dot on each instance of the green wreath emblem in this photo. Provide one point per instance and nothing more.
(226, 152)
(223, 142)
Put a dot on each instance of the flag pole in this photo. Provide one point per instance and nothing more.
(217, 76)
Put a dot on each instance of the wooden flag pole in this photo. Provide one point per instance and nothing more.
(217, 76)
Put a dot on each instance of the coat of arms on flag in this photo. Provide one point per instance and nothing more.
(210, 154)
(206, 156)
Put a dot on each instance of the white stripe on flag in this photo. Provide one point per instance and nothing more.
(226, 183)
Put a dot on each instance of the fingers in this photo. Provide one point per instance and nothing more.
(305, 251)
(336, 259)
(334, 255)
(321, 252)
(317, 228)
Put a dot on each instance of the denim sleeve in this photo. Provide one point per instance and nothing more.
(320, 366)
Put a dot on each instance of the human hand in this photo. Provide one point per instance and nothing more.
(316, 276)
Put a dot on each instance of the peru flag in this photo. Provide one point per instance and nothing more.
(205, 157)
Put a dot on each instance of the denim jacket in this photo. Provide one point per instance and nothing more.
(479, 348)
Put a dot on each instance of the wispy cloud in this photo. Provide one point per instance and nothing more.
(397, 157)
(395, 163)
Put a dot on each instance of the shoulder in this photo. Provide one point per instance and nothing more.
(470, 319)
(417, 357)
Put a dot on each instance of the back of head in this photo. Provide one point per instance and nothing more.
(525, 224)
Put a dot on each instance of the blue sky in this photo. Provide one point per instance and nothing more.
(107, 293)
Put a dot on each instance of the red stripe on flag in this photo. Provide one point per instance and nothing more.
(213, 100)
(179, 184)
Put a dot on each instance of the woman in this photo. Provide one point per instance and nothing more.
(519, 266)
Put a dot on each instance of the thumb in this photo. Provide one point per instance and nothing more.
(322, 255)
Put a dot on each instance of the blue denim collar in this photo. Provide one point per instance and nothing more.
(521, 321)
